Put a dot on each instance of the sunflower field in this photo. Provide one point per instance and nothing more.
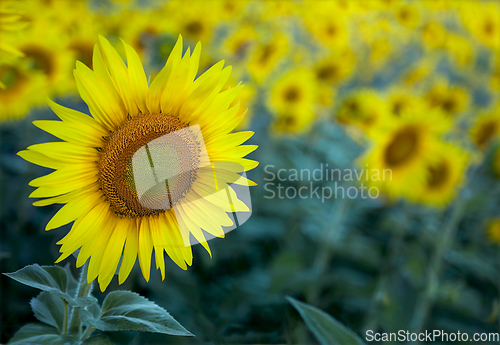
(249, 172)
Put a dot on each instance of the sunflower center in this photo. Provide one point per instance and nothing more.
(327, 73)
(41, 59)
(292, 94)
(486, 132)
(437, 175)
(84, 51)
(148, 165)
(194, 28)
(13, 79)
(402, 147)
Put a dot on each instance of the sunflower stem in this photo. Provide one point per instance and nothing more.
(88, 332)
(324, 254)
(65, 319)
(428, 297)
(372, 316)
(83, 290)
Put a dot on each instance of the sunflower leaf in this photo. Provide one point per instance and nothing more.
(49, 309)
(40, 334)
(52, 279)
(47, 278)
(128, 311)
(97, 341)
(325, 328)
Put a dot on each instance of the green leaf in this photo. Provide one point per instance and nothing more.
(128, 311)
(46, 278)
(39, 334)
(48, 308)
(327, 330)
(97, 341)
(94, 310)
(52, 279)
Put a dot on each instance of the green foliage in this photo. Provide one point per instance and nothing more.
(52, 279)
(66, 306)
(49, 309)
(128, 311)
(97, 341)
(35, 333)
(327, 330)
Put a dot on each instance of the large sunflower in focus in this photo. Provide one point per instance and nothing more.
(151, 169)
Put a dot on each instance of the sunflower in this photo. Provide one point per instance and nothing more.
(444, 175)
(450, 100)
(434, 35)
(11, 20)
(150, 169)
(400, 154)
(20, 91)
(493, 230)
(297, 90)
(336, 67)
(402, 101)
(364, 109)
(486, 128)
(330, 30)
(292, 121)
(407, 15)
(266, 56)
(483, 21)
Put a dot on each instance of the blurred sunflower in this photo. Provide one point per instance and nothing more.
(482, 19)
(402, 102)
(434, 35)
(364, 109)
(20, 91)
(11, 20)
(296, 90)
(407, 15)
(493, 230)
(486, 128)
(401, 153)
(444, 175)
(330, 30)
(267, 55)
(292, 121)
(449, 99)
(96, 175)
(336, 67)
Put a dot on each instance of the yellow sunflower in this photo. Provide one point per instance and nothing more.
(20, 91)
(150, 169)
(450, 100)
(493, 230)
(11, 20)
(398, 158)
(444, 175)
(296, 90)
(486, 128)
(407, 15)
(482, 19)
(266, 55)
(364, 109)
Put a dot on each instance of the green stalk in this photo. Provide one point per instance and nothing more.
(87, 333)
(428, 297)
(324, 254)
(65, 320)
(83, 290)
(374, 310)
